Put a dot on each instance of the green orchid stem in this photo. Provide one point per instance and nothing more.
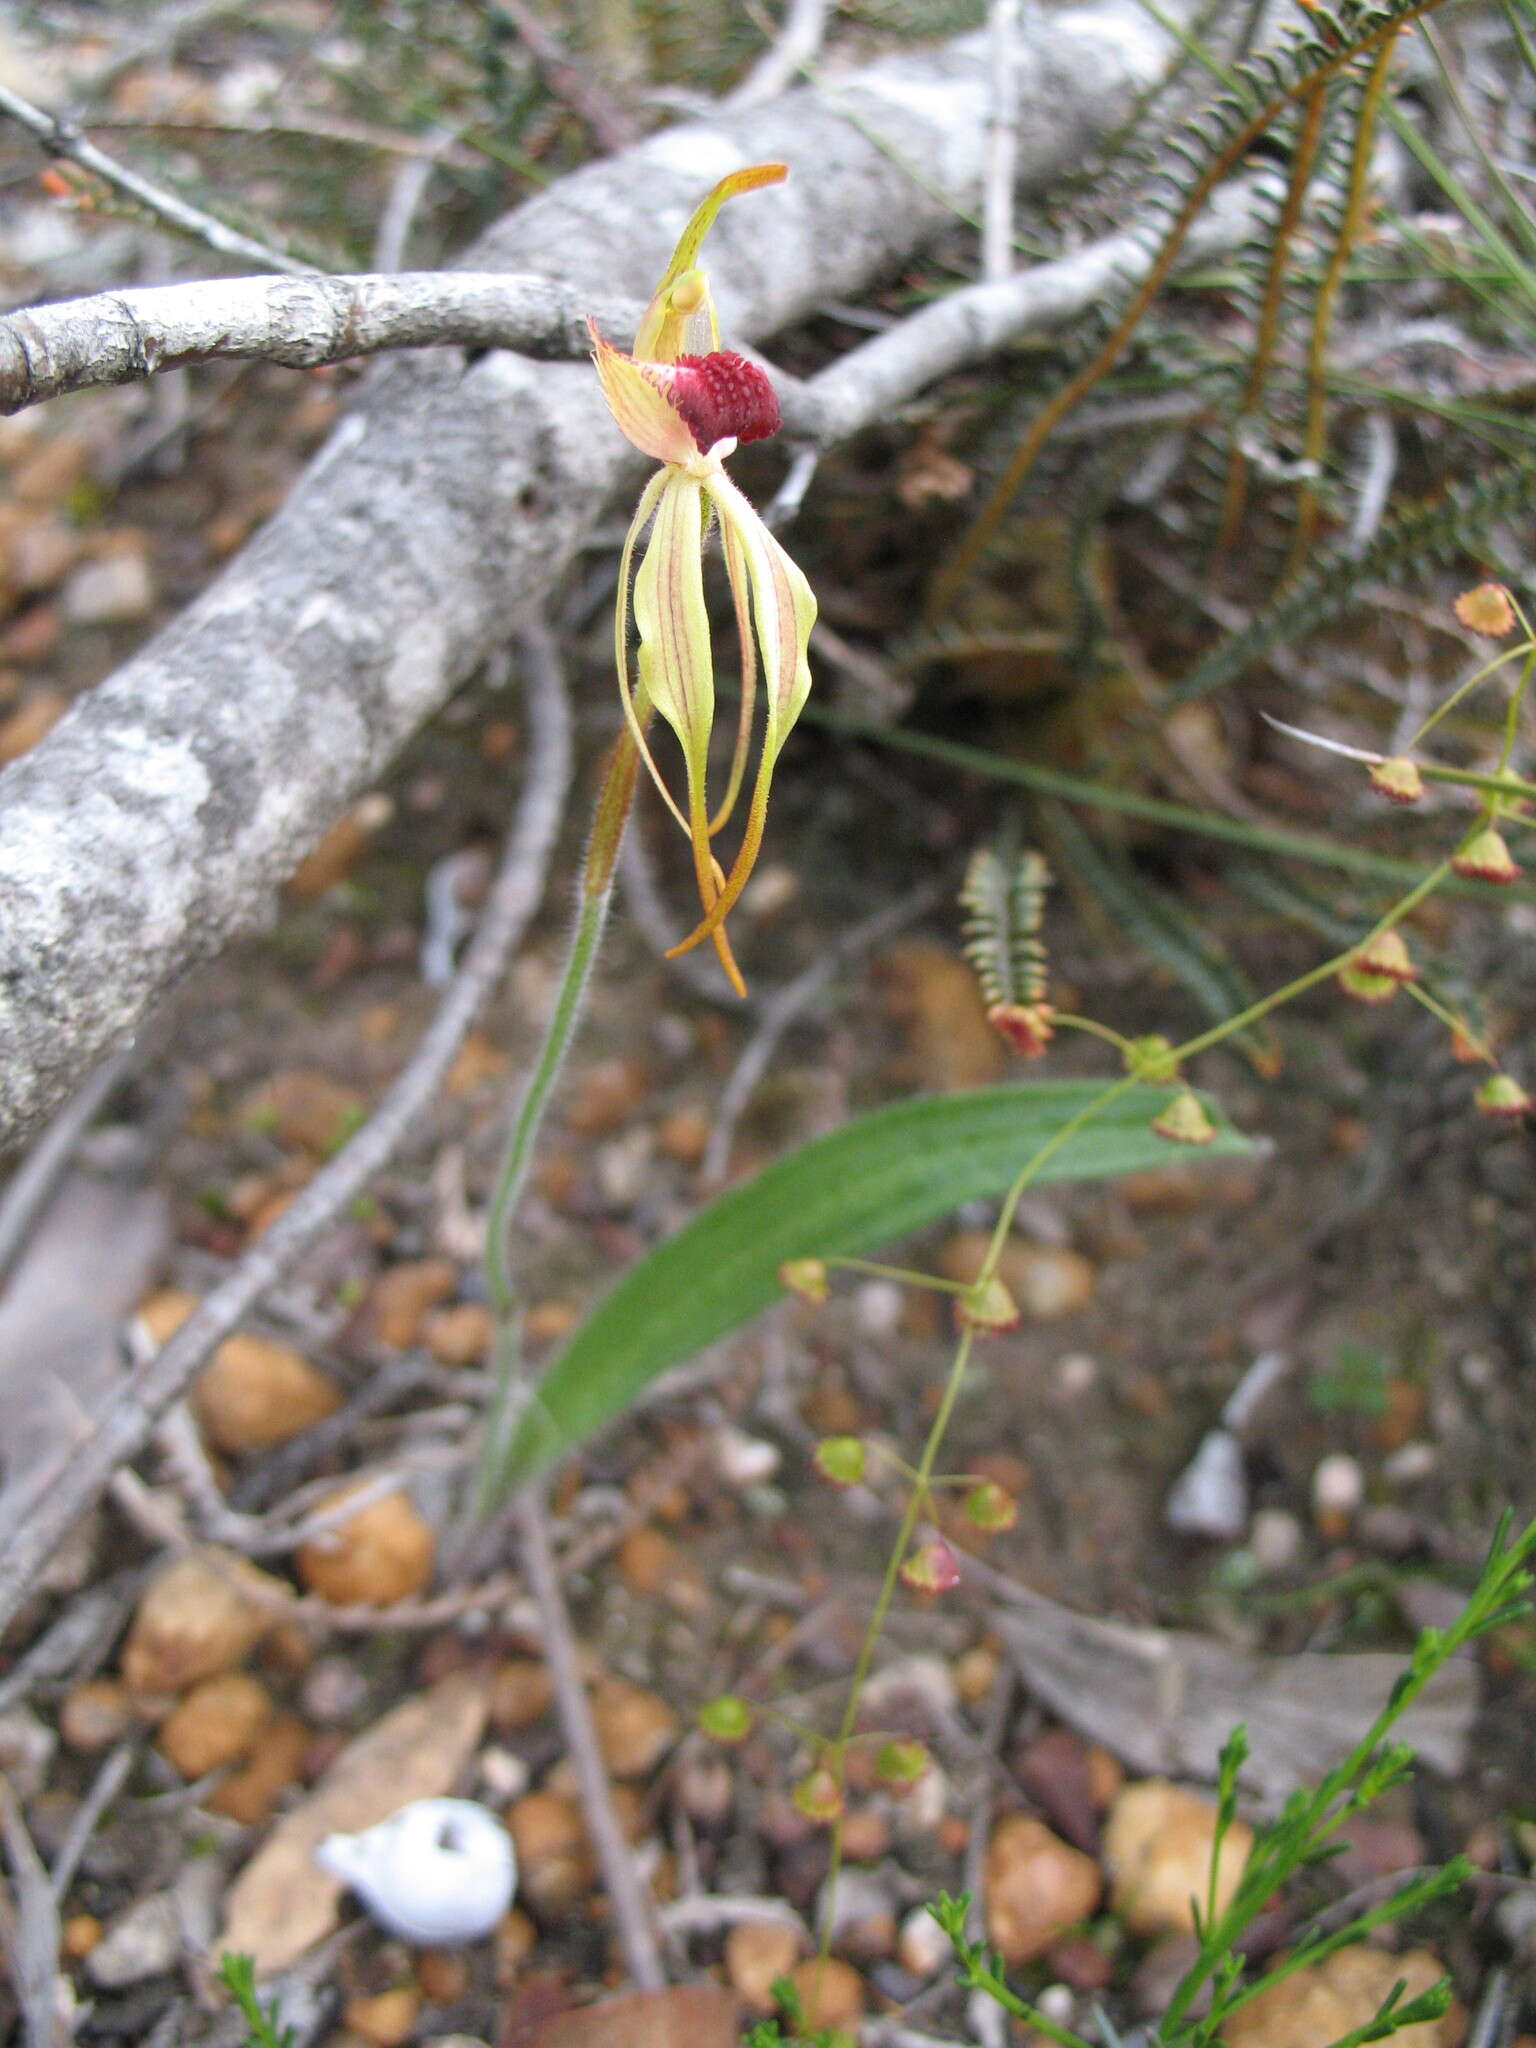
(610, 815)
(1464, 689)
(1064, 1020)
(902, 1274)
(1489, 785)
(1449, 1019)
(922, 1478)
(1512, 715)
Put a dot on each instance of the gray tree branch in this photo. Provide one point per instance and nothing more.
(157, 819)
(119, 337)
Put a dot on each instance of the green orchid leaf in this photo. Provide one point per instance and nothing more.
(887, 1174)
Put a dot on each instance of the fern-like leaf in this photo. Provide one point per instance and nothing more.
(1004, 902)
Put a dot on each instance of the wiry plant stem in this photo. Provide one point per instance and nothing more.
(1315, 435)
(1303, 157)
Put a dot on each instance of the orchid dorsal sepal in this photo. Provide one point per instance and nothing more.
(680, 318)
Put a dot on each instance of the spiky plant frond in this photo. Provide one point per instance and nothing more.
(1004, 901)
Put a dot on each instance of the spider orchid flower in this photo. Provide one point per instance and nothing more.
(682, 399)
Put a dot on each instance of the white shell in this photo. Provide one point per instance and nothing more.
(439, 1871)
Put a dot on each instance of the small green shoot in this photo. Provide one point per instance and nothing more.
(1306, 1834)
(237, 1973)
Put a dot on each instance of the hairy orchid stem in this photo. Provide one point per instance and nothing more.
(610, 815)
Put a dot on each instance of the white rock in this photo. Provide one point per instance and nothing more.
(1076, 1373)
(926, 1683)
(1413, 1462)
(504, 1774)
(1338, 1484)
(878, 1305)
(743, 1460)
(1058, 2003)
(143, 1942)
(26, 1750)
(1274, 1540)
(438, 1872)
(922, 1946)
(112, 591)
(1210, 1496)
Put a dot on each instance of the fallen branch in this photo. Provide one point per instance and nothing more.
(975, 322)
(39, 1514)
(632, 1909)
(300, 323)
(62, 138)
(32, 1936)
(157, 819)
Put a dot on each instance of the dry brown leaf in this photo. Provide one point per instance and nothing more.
(1165, 1700)
(688, 2016)
(282, 1902)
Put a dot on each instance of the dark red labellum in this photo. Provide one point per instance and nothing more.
(723, 396)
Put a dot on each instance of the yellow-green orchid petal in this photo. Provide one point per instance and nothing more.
(642, 411)
(676, 663)
(636, 700)
(784, 604)
(680, 320)
(785, 611)
(741, 600)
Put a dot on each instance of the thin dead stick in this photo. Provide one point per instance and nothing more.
(31, 1187)
(708, 1912)
(119, 337)
(869, 382)
(632, 1910)
(40, 1520)
(407, 190)
(785, 1005)
(612, 128)
(32, 1946)
(318, 128)
(104, 1788)
(782, 63)
(1002, 142)
(62, 138)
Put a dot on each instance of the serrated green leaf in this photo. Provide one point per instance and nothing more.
(879, 1178)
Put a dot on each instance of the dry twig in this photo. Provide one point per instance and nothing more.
(32, 1940)
(611, 127)
(61, 138)
(781, 64)
(631, 1908)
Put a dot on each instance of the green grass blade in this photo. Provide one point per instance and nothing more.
(881, 1177)
(1134, 803)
